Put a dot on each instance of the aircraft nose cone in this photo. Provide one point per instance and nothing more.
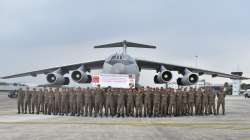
(118, 68)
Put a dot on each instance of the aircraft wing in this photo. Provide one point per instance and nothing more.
(64, 69)
(144, 64)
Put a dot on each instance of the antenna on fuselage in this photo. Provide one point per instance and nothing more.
(125, 44)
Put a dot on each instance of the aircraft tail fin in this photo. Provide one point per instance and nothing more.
(125, 44)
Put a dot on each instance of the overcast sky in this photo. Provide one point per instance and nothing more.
(44, 33)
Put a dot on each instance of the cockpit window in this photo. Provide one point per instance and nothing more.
(119, 58)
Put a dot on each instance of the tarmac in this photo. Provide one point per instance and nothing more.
(235, 125)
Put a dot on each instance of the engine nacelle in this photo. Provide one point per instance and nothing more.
(80, 76)
(188, 79)
(163, 77)
(57, 79)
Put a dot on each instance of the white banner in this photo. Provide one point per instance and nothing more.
(114, 80)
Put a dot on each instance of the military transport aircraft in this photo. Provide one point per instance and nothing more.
(124, 64)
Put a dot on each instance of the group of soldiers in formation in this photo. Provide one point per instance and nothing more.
(138, 102)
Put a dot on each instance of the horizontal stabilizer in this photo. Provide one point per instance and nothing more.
(125, 44)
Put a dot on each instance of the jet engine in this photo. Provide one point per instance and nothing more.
(80, 76)
(57, 79)
(189, 78)
(163, 77)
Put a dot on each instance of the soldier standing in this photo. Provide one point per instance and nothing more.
(51, 101)
(40, 107)
(185, 102)
(65, 102)
(138, 102)
(46, 101)
(130, 102)
(172, 102)
(179, 102)
(157, 102)
(205, 101)
(120, 103)
(99, 100)
(198, 97)
(27, 100)
(57, 101)
(109, 102)
(148, 107)
(79, 101)
(191, 103)
(20, 101)
(88, 102)
(34, 100)
(211, 102)
(72, 102)
(221, 101)
(164, 102)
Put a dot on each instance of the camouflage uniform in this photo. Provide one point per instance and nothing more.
(179, 102)
(34, 101)
(79, 102)
(185, 102)
(205, 102)
(99, 101)
(72, 102)
(198, 97)
(172, 103)
(51, 102)
(157, 102)
(40, 107)
(65, 102)
(121, 103)
(221, 102)
(191, 104)
(130, 103)
(138, 103)
(148, 103)
(58, 98)
(164, 103)
(211, 102)
(20, 101)
(88, 102)
(27, 101)
(109, 103)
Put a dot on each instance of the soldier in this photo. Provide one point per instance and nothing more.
(20, 101)
(191, 103)
(148, 107)
(138, 102)
(179, 102)
(72, 102)
(40, 107)
(79, 101)
(198, 97)
(211, 102)
(65, 102)
(120, 103)
(164, 102)
(58, 98)
(205, 101)
(99, 100)
(34, 100)
(157, 102)
(27, 100)
(109, 102)
(130, 102)
(46, 101)
(51, 101)
(185, 102)
(221, 101)
(88, 102)
(172, 103)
